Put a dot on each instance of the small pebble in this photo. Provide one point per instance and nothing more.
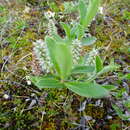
(28, 82)
(6, 96)
(83, 106)
(109, 117)
(88, 118)
(43, 113)
(101, 10)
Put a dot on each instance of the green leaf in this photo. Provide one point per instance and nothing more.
(57, 38)
(77, 31)
(63, 58)
(120, 112)
(44, 82)
(108, 68)
(51, 44)
(67, 29)
(114, 126)
(74, 31)
(82, 10)
(127, 103)
(127, 76)
(35, 79)
(109, 87)
(80, 31)
(54, 7)
(91, 12)
(88, 89)
(99, 64)
(88, 41)
(82, 69)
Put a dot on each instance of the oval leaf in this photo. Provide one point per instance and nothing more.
(88, 89)
(42, 82)
(109, 87)
(88, 41)
(82, 10)
(99, 64)
(61, 57)
(67, 29)
(51, 47)
(108, 68)
(91, 12)
(83, 69)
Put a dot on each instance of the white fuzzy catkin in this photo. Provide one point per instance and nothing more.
(76, 51)
(91, 57)
(42, 55)
(51, 27)
(49, 14)
(51, 22)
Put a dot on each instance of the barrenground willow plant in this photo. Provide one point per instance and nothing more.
(62, 62)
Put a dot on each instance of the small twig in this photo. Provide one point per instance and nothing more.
(21, 96)
(79, 125)
(23, 58)
(41, 121)
(11, 72)
(127, 128)
(12, 82)
(28, 109)
(90, 125)
(107, 48)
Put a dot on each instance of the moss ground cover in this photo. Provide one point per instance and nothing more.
(23, 106)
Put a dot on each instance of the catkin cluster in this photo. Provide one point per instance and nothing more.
(42, 54)
(51, 23)
(76, 51)
(90, 59)
(51, 27)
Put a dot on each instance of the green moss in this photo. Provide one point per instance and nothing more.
(61, 106)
